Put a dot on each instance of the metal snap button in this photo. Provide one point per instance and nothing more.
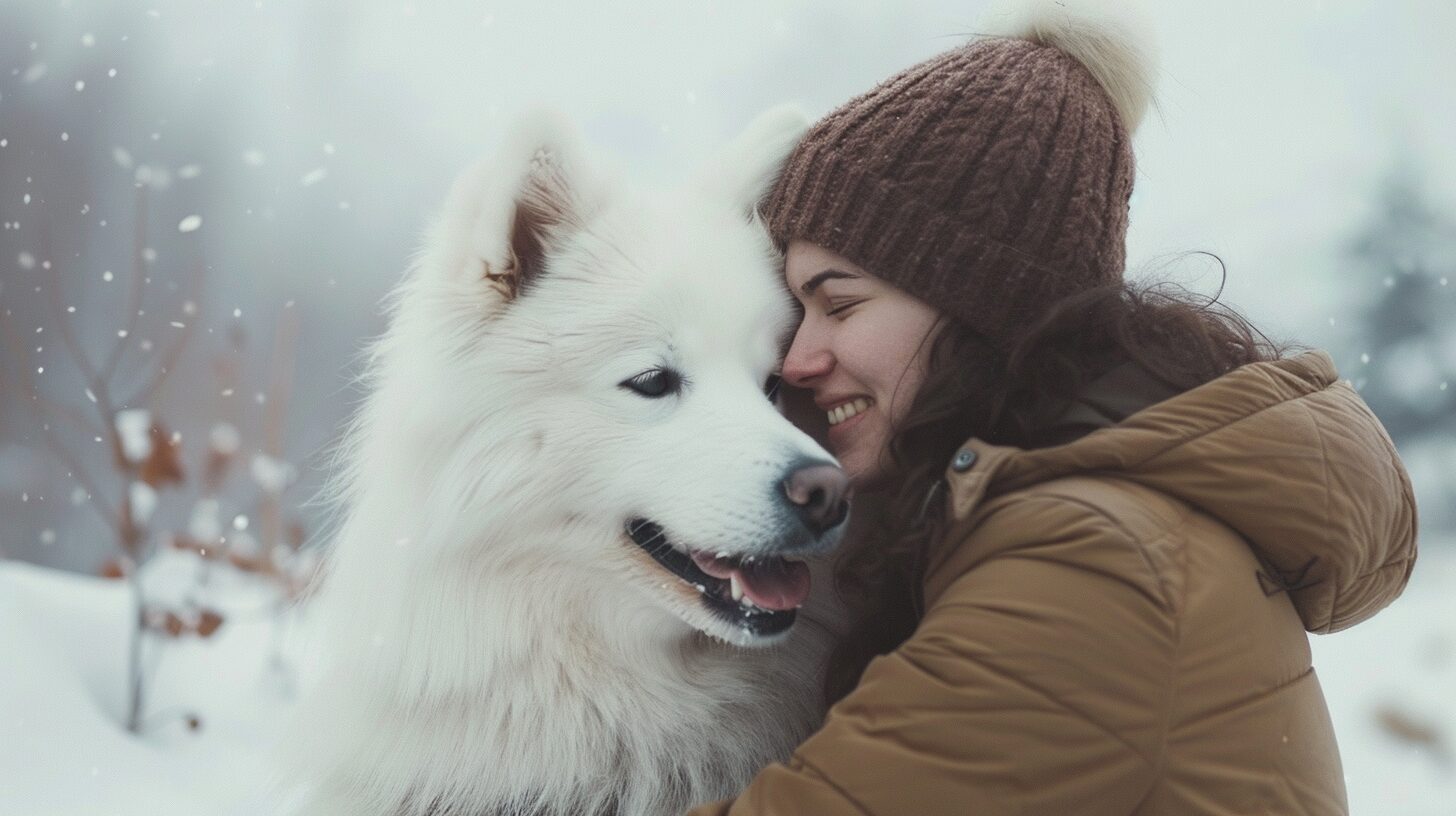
(963, 461)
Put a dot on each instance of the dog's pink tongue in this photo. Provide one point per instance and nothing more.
(772, 584)
(775, 584)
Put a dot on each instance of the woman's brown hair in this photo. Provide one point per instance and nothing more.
(1010, 395)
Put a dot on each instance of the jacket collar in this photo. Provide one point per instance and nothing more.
(1283, 452)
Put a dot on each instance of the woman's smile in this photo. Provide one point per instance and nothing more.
(848, 409)
(845, 418)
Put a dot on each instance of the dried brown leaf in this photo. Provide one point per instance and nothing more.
(208, 622)
(113, 569)
(173, 625)
(164, 465)
(1408, 728)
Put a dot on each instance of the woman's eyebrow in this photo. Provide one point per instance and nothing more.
(828, 274)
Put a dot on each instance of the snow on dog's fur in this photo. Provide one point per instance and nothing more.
(570, 364)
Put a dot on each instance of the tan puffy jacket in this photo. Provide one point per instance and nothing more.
(1117, 625)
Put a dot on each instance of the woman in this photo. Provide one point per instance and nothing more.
(1108, 515)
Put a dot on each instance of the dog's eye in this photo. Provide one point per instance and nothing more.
(771, 386)
(658, 382)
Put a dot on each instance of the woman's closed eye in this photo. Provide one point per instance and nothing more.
(838, 308)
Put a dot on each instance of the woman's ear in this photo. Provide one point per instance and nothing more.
(797, 405)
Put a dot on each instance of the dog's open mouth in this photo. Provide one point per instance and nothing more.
(759, 595)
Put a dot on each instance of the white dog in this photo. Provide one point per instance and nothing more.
(569, 506)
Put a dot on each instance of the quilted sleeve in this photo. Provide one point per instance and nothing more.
(1037, 683)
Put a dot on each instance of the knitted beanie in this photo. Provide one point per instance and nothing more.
(991, 180)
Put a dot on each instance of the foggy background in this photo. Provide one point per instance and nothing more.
(284, 157)
(202, 203)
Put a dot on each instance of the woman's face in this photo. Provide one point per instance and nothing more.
(860, 350)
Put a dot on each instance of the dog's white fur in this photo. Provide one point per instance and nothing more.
(497, 646)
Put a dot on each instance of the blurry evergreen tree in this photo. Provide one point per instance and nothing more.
(1406, 254)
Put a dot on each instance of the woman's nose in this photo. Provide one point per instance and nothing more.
(806, 361)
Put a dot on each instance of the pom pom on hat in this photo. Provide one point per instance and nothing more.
(1112, 38)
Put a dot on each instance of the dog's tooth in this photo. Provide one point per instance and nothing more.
(735, 588)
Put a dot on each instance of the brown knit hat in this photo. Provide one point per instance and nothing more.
(989, 181)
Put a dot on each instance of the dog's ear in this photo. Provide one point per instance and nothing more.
(506, 215)
(745, 171)
(544, 207)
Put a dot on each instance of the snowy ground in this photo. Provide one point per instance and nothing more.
(63, 647)
(1390, 684)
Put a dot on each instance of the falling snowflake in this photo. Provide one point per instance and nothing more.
(190, 223)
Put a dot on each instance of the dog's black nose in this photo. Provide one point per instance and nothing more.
(819, 493)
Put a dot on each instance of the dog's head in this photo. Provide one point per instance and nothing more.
(612, 355)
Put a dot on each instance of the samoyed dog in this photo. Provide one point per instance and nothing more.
(575, 533)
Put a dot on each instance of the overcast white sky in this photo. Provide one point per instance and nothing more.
(326, 132)
(1274, 118)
